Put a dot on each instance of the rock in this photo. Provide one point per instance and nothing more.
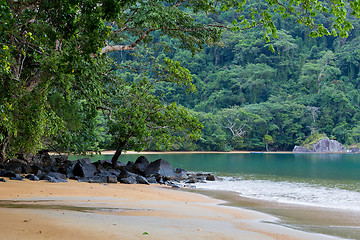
(57, 175)
(355, 150)
(173, 184)
(14, 167)
(103, 164)
(54, 177)
(84, 168)
(191, 180)
(2, 180)
(128, 180)
(127, 177)
(7, 173)
(111, 179)
(151, 179)
(210, 177)
(43, 158)
(181, 174)
(327, 145)
(298, 149)
(51, 179)
(17, 178)
(27, 169)
(140, 165)
(119, 165)
(130, 167)
(141, 180)
(32, 177)
(160, 168)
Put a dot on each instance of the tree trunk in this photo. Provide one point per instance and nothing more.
(2, 150)
(118, 152)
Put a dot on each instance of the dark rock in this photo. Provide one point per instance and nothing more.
(84, 168)
(160, 168)
(103, 164)
(57, 175)
(151, 179)
(181, 174)
(54, 177)
(109, 172)
(160, 180)
(2, 180)
(27, 169)
(32, 177)
(14, 167)
(36, 168)
(17, 178)
(141, 164)
(119, 165)
(173, 184)
(130, 167)
(127, 177)
(7, 173)
(43, 159)
(191, 180)
(298, 149)
(141, 180)
(179, 170)
(128, 180)
(111, 179)
(210, 177)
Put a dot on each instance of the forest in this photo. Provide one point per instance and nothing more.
(89, 75)
(251, 98)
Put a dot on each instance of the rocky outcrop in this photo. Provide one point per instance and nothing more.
(354, 150)
(322, 146)
(84, 170)
(327, 145)
(298, 149)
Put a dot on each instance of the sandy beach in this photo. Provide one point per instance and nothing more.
(41, 210)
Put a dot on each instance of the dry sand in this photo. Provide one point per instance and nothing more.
(73, 210)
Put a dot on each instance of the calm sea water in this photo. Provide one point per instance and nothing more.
(321, 180)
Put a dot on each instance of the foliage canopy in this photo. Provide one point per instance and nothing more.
(57, 71)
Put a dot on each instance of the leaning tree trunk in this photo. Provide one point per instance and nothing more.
(118, 152)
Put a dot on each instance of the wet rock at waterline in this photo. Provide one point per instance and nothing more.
(84, 170)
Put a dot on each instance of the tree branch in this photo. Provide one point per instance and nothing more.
(127, 47)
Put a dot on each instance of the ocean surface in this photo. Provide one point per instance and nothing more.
(319, 180)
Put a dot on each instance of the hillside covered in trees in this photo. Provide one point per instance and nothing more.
(251, 98)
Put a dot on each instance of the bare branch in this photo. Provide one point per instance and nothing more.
(103, 109)
(126, 47)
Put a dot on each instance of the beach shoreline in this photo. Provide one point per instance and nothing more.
(42, 210)
(343, 223)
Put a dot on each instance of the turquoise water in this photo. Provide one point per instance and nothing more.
(312, 166)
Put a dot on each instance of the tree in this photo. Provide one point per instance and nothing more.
(268, 140)
(137, 117)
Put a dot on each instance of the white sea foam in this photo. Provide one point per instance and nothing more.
(289, 192)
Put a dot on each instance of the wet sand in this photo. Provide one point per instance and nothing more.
(73, 210)
(336, 222)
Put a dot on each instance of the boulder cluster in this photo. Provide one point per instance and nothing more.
(325, 146)
(59, 169)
